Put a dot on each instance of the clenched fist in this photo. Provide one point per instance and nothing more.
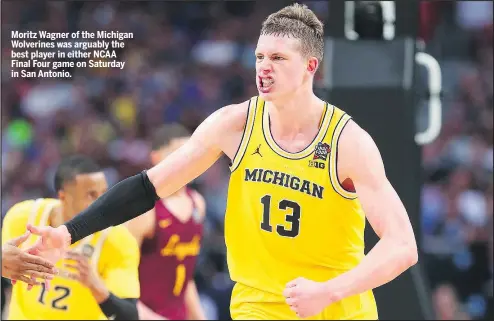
(307, 298)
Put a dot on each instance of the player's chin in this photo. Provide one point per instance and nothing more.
(267, 96)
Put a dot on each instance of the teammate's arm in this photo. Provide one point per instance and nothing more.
(22, 265)
(145, 313)
(137, 194)
(192, 301)
(142, 227)
(396, 250)
(113, 306)
(120, 261)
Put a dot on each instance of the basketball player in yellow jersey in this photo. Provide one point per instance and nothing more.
(304, 179)
(99, 278)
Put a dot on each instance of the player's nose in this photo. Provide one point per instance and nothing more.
(264, 68)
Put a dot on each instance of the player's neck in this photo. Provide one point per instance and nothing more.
(295, 114)
(175, 205)
(57, 216)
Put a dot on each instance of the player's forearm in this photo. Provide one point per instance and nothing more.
(99, 291)
(194, 311)
(126, 200)
(387, 260)
(145, 313)
(193, 303)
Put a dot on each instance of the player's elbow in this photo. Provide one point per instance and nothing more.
(404, 249)
(408, 252)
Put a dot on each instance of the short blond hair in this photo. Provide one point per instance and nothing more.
(299, 22)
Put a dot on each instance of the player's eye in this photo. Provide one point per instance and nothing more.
(278, 58)
(259, 57)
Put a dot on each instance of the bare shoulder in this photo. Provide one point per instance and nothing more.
(357, 151)
(200, 202)
(354, 136)
(228, 124)
(231, 117)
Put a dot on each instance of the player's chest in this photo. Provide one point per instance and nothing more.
(306, 179)
(314, 165)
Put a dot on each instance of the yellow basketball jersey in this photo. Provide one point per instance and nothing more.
(68, 299)
(287, 215)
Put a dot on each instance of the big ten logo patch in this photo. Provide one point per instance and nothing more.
(321, 153)
(317, 164)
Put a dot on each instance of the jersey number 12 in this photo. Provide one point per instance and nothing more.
(293, 217)
(62, 292)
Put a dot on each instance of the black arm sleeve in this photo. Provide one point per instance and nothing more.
(116, 308)
(124, 201)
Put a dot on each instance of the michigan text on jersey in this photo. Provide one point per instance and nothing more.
(283, 179)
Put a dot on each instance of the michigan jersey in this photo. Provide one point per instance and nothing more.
(113, 253)
(288, 216)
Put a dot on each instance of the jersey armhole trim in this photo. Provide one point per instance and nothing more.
(33, 215)
(244, 142)
(98, 247)
(333, 159)
(38, 216)
(45, 215)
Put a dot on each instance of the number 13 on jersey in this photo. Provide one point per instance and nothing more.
(292, 217)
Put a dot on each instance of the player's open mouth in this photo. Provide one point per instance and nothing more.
(265, 83)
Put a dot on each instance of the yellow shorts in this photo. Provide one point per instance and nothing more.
(251, 304)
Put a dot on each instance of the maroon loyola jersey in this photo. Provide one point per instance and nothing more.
(168, 261)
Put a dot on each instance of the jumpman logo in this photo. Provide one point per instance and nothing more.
(257, 151)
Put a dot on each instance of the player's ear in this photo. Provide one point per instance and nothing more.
(61, 195)
(155, 155)
(312, 65)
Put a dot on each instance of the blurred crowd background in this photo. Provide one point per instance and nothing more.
(188, 59)
(457, 193)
